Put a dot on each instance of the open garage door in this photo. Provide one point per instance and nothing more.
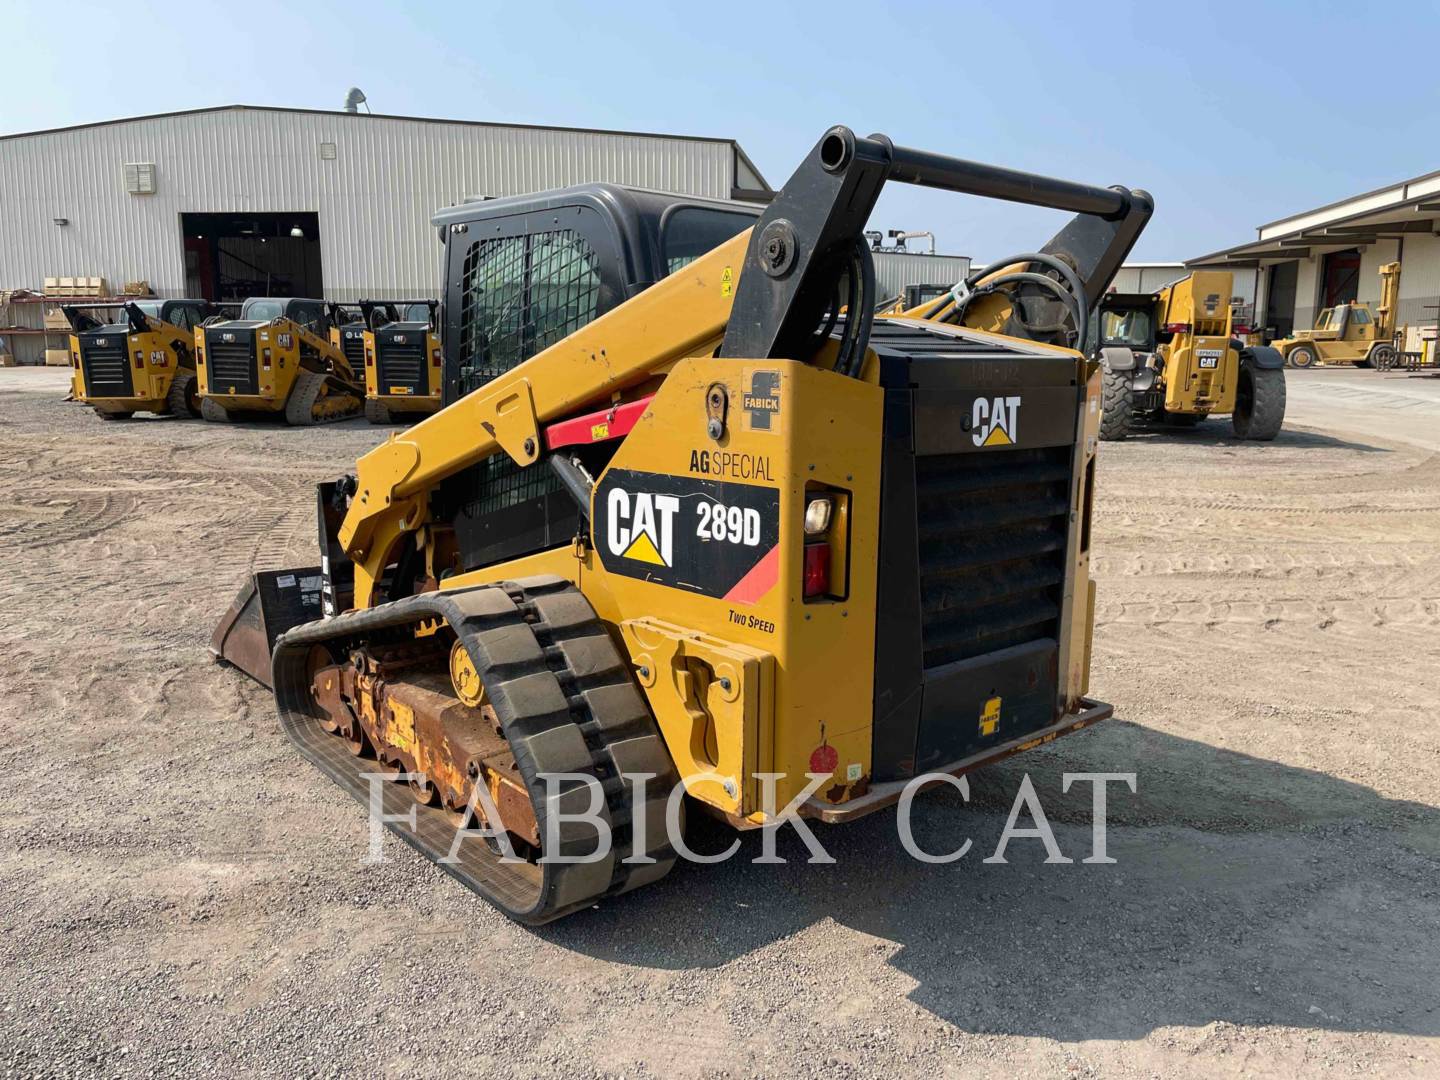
(234, 256)
(1340, 278)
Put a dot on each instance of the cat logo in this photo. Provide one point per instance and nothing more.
(398, 339)
(101, 342)
(227, 337)
(641, 526)
(995, 421)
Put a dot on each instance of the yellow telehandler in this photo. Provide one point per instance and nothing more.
(734, 538)
(1171, 357)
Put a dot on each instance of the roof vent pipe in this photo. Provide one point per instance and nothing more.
(354, 98)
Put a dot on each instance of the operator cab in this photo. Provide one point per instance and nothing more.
(310, 314)
(514, 288)
(1127, 321)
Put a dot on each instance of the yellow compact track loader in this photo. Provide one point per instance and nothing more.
(403, 359)
(1171, 358)
(276, 358)
(1350, 333)
(723, 539)
(141, 360)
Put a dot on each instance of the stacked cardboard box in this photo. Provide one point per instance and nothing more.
(74, 286)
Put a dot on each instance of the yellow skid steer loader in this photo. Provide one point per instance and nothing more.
(734, 537)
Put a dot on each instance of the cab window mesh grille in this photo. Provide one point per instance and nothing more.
(519, 295)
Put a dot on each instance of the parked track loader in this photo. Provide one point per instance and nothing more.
(140, 361)
(1350, 333)
(723, 534)
(276, 358)
(404, 372)
(347, 332)
(1171, 357)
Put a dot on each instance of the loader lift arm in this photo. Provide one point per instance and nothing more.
(788, 270)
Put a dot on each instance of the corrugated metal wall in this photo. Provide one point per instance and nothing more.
(896, 269)
(374, 198)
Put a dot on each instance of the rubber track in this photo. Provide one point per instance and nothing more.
(214, 412)
(376, 412)
(567, 703)
(300, 408)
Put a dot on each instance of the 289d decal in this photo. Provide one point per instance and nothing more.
(707, 536)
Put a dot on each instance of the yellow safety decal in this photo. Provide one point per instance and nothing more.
(727, 281)
(990, 717)
(599, 431)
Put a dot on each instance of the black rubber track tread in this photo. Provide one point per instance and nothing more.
(567, 703)
(106, 414)
(214, 412)
(300, 406)
(376, 412)
(1117, 405)
(178, 398)
(1259, 403)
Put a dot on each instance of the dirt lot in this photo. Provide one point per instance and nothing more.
(179, 893)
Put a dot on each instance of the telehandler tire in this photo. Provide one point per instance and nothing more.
(1259, 403)
(1117, 405)
(184, 396)
(1302, 356)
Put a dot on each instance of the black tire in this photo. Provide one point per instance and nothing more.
(1117, 405)
(213, 412)
(184, 396)
(106, 414)
(1302, 356)
(1259, 403)
(1384, 357)
(376, 412)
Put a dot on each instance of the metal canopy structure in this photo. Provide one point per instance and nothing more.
(1393, 212)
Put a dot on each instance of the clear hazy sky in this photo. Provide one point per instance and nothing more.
(1229, 114)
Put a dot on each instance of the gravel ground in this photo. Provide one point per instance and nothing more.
(180, 895)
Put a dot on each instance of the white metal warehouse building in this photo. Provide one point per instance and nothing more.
(1332, 255)
(236, 201)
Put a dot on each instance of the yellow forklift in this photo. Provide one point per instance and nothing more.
(136, 356)
(1350, 333)
(404, 372)
(1171, 357)
(276, 358)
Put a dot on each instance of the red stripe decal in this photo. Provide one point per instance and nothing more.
(758, 580)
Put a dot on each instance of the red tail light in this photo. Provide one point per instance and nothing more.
(817, 569)
(1176, 328)
(1240, 328)
(435, 357)
(139, 361)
